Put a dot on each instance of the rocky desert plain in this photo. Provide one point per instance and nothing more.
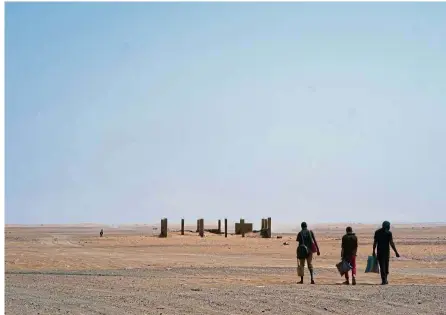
(69, 269)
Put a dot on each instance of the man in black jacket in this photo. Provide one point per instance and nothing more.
(348, 252)
(384, 238)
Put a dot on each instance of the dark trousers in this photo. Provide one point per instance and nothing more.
(383, 261)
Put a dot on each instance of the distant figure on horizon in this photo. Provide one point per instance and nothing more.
(348, 252)
(101, 233)
(305, 249)
(384, 238)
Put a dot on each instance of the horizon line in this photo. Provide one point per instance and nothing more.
(232, 221)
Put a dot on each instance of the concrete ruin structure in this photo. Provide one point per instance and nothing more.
(269, 227)
(201, 227)
(243, 227)
(163, 227)
(265, 230)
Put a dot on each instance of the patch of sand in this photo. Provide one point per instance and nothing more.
(71, 270)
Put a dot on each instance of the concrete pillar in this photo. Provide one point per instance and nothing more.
(182, 226)
(269, 227)
(264, 230)
(162, 233)
(226, 227)
(242, 227)
(163, 228)
(198, 226)
(201, 227)
(219, 226)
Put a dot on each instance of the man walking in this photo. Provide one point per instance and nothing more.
(305, 249)
(384, 238)
(348, 252)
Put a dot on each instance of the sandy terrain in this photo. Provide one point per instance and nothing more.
(70, 270)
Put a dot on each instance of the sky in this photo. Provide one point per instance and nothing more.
(318, 112)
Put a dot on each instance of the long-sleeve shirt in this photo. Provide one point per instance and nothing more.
(383, 238)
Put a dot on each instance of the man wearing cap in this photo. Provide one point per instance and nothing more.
(384, 240)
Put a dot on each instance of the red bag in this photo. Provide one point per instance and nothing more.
(313, 244)
(313, 248)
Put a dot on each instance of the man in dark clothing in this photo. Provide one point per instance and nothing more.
(384, 240)
(348, 252)
(306, 237)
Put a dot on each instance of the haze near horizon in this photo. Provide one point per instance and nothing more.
(129, 112)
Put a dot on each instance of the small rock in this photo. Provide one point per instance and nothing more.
(196, 289)
(279, 236)
(286, 243)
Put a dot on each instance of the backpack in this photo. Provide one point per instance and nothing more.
(302, 249)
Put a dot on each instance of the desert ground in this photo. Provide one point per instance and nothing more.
(71, 270)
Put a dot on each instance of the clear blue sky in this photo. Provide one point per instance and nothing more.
(125, 113)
